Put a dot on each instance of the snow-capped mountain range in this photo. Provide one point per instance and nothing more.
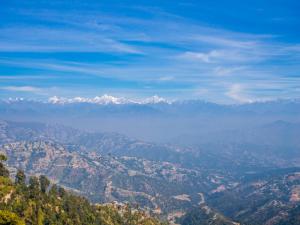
(113, 100)
(107, 99)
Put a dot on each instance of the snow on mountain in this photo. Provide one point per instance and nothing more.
(106, 100)
(103, 100)
(155, 100)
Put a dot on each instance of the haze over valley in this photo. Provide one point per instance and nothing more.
(208, 167)
(153, 112)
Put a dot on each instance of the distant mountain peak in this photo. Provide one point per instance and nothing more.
(155, 100)
(106, 100)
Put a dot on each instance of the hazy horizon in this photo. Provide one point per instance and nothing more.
(160, 112)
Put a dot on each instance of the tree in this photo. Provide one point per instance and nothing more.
(3, 157)
(9, 218)
(3, 171)
(61, 192)
(34, 187)
(53, 190)
(44, 182)
(33, 204)
(20, 178)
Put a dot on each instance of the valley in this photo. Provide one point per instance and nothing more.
(139, 112)
(171, 182)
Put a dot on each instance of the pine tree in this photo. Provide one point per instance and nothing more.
(45, 183)
(3, 171)
(34, 187)
(20, 178)
(33, 204)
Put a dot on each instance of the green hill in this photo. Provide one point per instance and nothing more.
(37, 202)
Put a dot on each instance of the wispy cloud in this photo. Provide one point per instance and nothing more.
(30, 89)
(208, 57)
(225, 71)
(159, 50)
(31, 39)
(236, 92)
(166, 78)
(235, 40)
(220, 56)
(26, 77)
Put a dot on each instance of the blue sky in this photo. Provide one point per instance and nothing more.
(221, 51)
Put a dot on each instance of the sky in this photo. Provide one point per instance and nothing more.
(220, 51)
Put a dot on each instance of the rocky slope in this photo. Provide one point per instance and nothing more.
(267, 198)
(162, 187)
(167, 180)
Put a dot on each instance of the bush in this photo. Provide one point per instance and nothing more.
(9, 218)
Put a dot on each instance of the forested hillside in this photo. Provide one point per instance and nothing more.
(38, 202)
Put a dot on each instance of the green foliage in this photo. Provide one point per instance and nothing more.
(20, 178)
(44, 182)
(3, 171)
(3, 157)
(39, 203)
(9, 218)
(34, 187)
(6, 187)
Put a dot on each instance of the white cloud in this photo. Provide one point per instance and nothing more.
(236, 92)
(22, 89)
(60, 40)
(208, 57)
(223, 56)
(24, 77)
(166, 78)
(224, 71)
(217, 40)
